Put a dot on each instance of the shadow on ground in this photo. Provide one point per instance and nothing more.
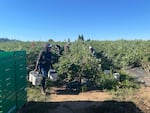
(66, 92)
(81, 107)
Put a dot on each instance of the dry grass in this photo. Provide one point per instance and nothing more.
(141, 97)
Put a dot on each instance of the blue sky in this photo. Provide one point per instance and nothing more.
(63, 19)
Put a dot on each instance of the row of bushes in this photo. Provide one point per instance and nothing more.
(80, 62)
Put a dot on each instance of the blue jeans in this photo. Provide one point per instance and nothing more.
(44, 73)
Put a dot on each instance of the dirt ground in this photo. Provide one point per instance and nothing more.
(142, 99)
(95, 101)
(72, 103)
(58, 100)
(60, 95)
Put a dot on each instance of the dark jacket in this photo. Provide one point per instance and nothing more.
(44, 59)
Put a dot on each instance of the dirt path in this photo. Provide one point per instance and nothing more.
(97, 101)
(62, 101)
(73, 103)
(143, 99)
(86, 96)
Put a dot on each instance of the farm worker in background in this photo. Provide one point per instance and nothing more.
(92, 50)
(67, 47)
(59, 49)
(43, 64)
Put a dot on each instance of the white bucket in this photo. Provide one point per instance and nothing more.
(116, 75)
(31, 74)
(35, 78)
(52, 74)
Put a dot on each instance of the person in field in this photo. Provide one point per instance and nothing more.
(59, 49)
(43, 64)
(92, 50)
